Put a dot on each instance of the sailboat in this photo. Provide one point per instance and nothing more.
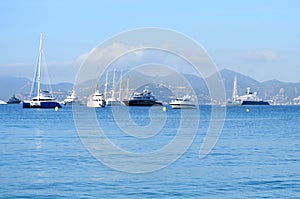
(43, 99)
(235, 98)
(112, 101)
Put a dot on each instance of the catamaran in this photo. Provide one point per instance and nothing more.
(43, 99)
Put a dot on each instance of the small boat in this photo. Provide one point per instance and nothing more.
(113, 102)
(142, 99)
(96, 100)
(2, 102)
(13, 100)
(71, 99)
(43, 99)
(183, 102)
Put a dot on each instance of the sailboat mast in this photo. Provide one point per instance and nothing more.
(113, 86)
(127, 89)
(106, 85)
(120, 92)
(235, 92)
(39, 64)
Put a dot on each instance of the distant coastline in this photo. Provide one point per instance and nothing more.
(272, 90)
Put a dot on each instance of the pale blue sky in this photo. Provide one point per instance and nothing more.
(258, 38)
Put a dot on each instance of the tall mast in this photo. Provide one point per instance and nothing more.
(127, 89)
(235, 92)
(106, 85)
(39, 64)
(120, 92)
(113, 86)
(97, 88)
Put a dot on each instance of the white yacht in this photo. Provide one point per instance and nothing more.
(2, 102)
(113, 102)
(71, 99)
(182, 102)
(96, 100)
(251, 99)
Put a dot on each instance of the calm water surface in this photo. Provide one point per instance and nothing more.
(256, 156)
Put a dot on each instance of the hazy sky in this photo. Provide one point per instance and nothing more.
(258, 38)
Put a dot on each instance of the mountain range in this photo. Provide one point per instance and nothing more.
(21, 87)
(267, 90)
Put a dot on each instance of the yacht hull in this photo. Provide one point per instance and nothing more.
(34, 104)
(255, 103)
(13, 102)
(96, 104)
(183, 106)
(233, 103)
(142, 103)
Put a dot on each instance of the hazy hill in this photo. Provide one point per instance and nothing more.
(275, 87)
(21, 87)
(12, 85)
(243, 82)
(265, 90)
(162, 86)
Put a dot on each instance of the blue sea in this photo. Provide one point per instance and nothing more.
(257, 155)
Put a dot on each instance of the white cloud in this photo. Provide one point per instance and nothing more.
(124, 57)
(260, 55)
(131, 55)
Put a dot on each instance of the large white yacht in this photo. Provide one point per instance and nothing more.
(96, 100)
